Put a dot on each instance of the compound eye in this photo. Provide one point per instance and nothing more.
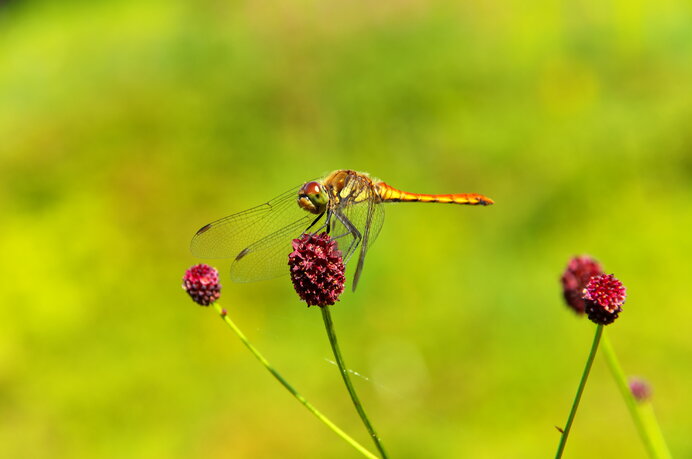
(311, 189)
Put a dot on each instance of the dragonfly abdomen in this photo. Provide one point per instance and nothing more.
(391, 194)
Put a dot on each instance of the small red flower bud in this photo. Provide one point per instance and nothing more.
(317, 269)
(641, 390)
(201, 282)
(578, 272)
(604, 296)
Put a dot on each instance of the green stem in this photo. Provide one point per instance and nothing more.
(649, 418)
(580, 390)
(329, 325)
(641, 413)
(290, 388)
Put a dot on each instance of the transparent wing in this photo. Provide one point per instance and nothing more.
(357, 221)
(268, 257)
(258, 238)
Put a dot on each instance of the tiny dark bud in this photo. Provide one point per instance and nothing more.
(641, 390)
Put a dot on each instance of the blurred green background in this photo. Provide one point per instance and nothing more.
(125, 126)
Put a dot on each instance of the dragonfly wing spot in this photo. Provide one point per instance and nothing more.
(242, 253)
(203, 229)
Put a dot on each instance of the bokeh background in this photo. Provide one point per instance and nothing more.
(127, 125)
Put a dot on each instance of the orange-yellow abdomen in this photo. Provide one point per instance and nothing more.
(390, 194)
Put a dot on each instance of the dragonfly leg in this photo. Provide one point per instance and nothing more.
(342, 235)
(351, 230)
(328, 223)
(313, 223)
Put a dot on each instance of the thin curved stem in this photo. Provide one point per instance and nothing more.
(224, 315)
(645, 420)
(580, 390)
(329, 326)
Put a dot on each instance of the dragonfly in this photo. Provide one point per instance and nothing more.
(346, 204)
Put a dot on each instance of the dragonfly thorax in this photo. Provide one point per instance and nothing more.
(313, 197)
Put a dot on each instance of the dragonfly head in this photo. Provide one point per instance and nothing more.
(313, 197)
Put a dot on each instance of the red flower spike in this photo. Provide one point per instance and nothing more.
(201, 282)
(578, 272)
(317, 269)
(604, 296)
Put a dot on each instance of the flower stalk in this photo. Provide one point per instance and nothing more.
(642, 412)
(360, 448)
(580, 391)
(317, 271)
(329, 326)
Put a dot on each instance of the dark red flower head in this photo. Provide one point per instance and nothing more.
(317, 269)
(578, 272)
(604, 296)
(641, 390)
(201, 282)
